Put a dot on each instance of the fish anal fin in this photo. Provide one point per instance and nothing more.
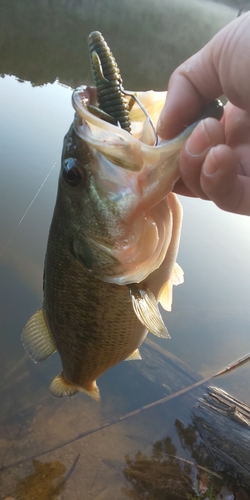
(37, 339)
(92, 390)
(165, 295)
(59, 387)
(135, 355)
(147, 311)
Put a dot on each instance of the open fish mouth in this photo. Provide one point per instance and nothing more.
(133, 169)
(135, 176)
(122, 124)
(133, 150)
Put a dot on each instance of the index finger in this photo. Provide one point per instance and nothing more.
(191, 87)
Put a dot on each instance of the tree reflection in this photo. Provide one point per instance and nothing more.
(159, 477)
(190, 441)
(45, 40)
(164, 475)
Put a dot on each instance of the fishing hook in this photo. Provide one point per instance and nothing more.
(134, 96)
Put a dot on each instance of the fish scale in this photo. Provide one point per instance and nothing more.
(123, 331)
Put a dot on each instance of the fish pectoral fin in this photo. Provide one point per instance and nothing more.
(59, 387)
(83, 253)
(166, 291)
(147, 311)
(37, 339)
(135, 355)
(92, 255)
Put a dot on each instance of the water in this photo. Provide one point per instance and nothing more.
(52, 448)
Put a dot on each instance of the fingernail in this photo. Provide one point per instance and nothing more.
(211, 165)
(199, 141)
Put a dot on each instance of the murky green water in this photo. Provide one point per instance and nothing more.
(75, 448)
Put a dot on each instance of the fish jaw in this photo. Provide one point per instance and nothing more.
(153, 168)
(132, 178)
(135, 151)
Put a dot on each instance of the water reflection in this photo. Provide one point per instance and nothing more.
(157, 479)
(165, 475)
(45, 42)
(41, 483)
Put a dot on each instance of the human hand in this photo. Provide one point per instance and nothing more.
(215, 161)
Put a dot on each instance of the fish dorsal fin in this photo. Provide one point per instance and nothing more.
(60, 387)
(135, 355)
(147, 311)
(37, 339)
(166, 291)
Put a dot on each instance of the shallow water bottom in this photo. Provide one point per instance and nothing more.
(76, 448)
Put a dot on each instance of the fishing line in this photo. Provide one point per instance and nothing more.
(134, 96)
(26, 211)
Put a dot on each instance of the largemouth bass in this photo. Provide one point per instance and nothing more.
(113, 240)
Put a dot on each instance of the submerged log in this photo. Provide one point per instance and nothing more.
(223, 423)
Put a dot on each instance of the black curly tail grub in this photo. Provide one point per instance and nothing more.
(112, 104)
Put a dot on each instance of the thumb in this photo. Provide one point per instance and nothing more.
(222, 183)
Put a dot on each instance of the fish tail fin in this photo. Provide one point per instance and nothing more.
(92, 391)
(37, 339)
(59, 387)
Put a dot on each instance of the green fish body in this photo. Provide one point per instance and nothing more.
(112, 246)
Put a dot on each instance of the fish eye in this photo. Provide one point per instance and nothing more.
(72, 173)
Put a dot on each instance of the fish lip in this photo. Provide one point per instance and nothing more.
(86, 94)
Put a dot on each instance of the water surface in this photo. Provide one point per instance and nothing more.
(43, 55)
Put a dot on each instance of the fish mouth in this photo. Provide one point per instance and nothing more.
(124, 172)
(153, 167)
(127, 150)
(135, 175)
(151, 170)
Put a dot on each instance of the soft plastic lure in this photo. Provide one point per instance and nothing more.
(113, 106)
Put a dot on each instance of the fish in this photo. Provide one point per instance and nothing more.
(113, 240)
